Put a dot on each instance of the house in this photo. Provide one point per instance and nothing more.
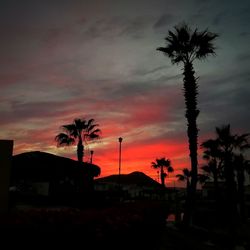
(38, 173)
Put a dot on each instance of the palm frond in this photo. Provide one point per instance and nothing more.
(202, 178)
(154, 165)
(170, 169)
(186, 172)
(71, 130)
(184, 45)
(63, 139)
(80, 124)
(206, 169)
(180, 177)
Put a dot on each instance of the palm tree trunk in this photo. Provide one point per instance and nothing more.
(162, 177)
(80, 151)
(216, 187)
(241, 194)
(231, 193)
(190, 94)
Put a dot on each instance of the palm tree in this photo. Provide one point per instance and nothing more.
(232, 166)
(242, 166)
(185, 176)
(80, 131)
(185, 46)
(162, 164)
(212, 154)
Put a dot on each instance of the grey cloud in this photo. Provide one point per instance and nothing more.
(225, 100)
(163, 21)
(118, 26)
(20, 111)
(243, 57)
(144, 71)
(136, 27)
(218, 18)
(244, 34)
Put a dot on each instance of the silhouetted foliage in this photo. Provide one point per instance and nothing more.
(80, 131)
(186, 176)
(162, 164)
(184, 46)
(226, 161)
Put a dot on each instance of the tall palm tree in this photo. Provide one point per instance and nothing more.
(162, 164)
(185, 46)
(80, 131)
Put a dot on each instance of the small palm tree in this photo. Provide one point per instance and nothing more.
(80, 131)
(162, 164)
(185, 176)
(212, 154)
(185, 46)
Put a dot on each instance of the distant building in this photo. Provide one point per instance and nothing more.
(135, 185)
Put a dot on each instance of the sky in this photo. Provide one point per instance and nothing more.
(62, 60)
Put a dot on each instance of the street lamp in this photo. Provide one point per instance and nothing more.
(120, 151)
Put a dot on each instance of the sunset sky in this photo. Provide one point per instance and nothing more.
(97, 59)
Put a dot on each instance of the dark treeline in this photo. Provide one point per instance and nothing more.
(226, 163)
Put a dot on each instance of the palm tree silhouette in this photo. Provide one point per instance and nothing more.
(162, 164)
(80, 131)
(228, 148)
(233, 147)
(185, 176)
(185, 46)
(213, 155)
(242, 166)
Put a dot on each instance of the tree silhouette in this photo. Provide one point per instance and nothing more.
(213, 155)
(80, 131)
(226, 160)
(241, 167)
(185, 46)
(162, 164)
(185, 176)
